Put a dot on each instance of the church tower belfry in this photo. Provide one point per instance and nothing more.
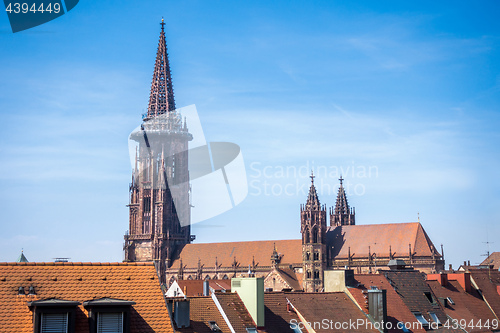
(159, 208)
(313, 229)
(342, 214)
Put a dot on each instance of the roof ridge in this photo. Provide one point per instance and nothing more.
(76, 263)
(250, 241)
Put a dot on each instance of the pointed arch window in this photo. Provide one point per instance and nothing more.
(308, 274)
(315, 235)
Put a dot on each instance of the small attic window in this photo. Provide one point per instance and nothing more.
(110, 322)
(429, 296)
(53, 315)
(214, 327)
(54, 322)
(251, 330)
(108, 315)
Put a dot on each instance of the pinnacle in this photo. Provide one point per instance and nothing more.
(341, 206)
(161, 98)
(312, 198)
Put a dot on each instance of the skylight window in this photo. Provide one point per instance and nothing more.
(451, 301)
(434, 318)
(421, 319)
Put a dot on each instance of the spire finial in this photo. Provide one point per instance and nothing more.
(341, 180)
(312, 177)
(418, 216)
(161, 97)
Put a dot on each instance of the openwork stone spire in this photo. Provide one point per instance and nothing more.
(312, 198)
(341, 206)
(342, 214)
(161, 98)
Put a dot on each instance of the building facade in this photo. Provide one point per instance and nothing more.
(159, 210)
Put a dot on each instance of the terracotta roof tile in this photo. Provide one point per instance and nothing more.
(195, 287)
(277, 315)
(82, 282)
(202, 310)
(379, 237)
(244, 252)
(416, 294)
(396, 308)
(488, 282)
(235, 311)
(493, 259)
(468, 306)
(334, 308)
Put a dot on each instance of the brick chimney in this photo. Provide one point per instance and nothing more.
(442, 278)
(463, 279)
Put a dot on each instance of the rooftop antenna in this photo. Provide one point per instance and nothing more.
(487, 245)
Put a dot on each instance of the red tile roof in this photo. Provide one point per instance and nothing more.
(412, 287)
(379, 237)
(397, 311)
(195, 287)
(493, 259)
(468, 306)
(244, 252)
(333, 308)
(202, 310)
(488, 282)
(277, 315)
(82, 282)
(235, 311)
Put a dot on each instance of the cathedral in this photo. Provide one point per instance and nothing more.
(159, 215)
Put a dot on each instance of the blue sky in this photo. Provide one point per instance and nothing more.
(405, 94)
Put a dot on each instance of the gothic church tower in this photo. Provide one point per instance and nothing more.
(159, 216)
(313, 229)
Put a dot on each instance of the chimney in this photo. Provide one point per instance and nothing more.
(206, 288)
(468, 262)
(338, 280)
(443, 279)
(377, 306)
(251, 292)
(181, 313)
(451, 269)
(464, 280)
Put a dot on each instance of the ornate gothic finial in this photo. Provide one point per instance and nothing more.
(161, 97)
(312, 198)
(418, 216)
(341, 180)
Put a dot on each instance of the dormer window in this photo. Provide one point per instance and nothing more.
(108, 315)
(53, 315)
